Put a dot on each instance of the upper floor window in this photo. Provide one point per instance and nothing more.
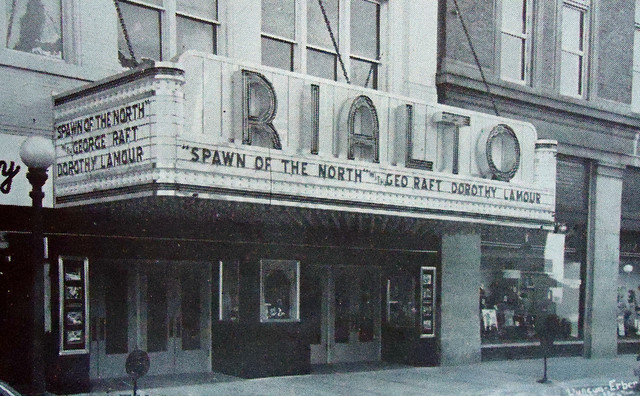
(303, 41)
(573, 48)
(635, 94)
(34, 26)
(515, 40)
(278, 33)
(365, 42)
(158, 34)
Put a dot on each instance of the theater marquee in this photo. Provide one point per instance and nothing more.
(211, 128)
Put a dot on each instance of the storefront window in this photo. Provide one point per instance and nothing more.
(229, 296)
(524, 281)
(279, 290)
(628, 314)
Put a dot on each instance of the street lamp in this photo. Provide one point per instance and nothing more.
(38, 154)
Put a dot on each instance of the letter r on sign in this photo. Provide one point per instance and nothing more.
(259, 107)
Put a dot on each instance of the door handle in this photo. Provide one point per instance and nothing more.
(94, 329)
(102, 329)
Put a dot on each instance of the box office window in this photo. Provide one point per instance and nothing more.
(34, 26)
(229, 291)
(401, 300)
(279, 290)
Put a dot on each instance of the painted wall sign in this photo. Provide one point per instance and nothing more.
(14, 186)
(74, 305)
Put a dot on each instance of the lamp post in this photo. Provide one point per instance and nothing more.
(38, 154)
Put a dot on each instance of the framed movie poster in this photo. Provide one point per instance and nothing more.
(427, 302)
(74, 304)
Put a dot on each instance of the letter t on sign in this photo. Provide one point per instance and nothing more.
(457, 121)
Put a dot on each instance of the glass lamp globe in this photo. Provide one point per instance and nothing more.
(37, 152)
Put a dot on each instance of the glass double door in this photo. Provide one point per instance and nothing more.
(348, 315)
(162, 308)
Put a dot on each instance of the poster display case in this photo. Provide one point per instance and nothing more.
(427, 302)
(74, 305)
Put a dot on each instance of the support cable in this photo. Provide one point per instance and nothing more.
(371, 72)
(125, 33)
(333, 40)
(475, 57)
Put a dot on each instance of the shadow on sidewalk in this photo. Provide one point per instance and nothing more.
(160, 381)
(337, 368)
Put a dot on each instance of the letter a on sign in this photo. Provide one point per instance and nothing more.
(363, 127)
(259, 109)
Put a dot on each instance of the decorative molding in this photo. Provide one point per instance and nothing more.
(117, 81)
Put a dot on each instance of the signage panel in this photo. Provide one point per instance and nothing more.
(115, 138)
(214, 128)
(14, 186)
(239, 162)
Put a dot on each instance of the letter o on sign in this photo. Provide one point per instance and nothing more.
(499, 153)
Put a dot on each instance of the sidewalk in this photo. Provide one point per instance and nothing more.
(569, 376)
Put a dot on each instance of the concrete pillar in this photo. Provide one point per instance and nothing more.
(602, 262)
(460, 322)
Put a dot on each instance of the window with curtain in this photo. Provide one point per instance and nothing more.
(34, 26)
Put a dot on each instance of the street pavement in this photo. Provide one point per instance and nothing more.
(567, 376)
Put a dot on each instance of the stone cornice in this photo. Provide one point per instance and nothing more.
(531, 98)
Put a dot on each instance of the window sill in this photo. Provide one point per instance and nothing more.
(53, 66)
(512, 344)
(629, 341)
